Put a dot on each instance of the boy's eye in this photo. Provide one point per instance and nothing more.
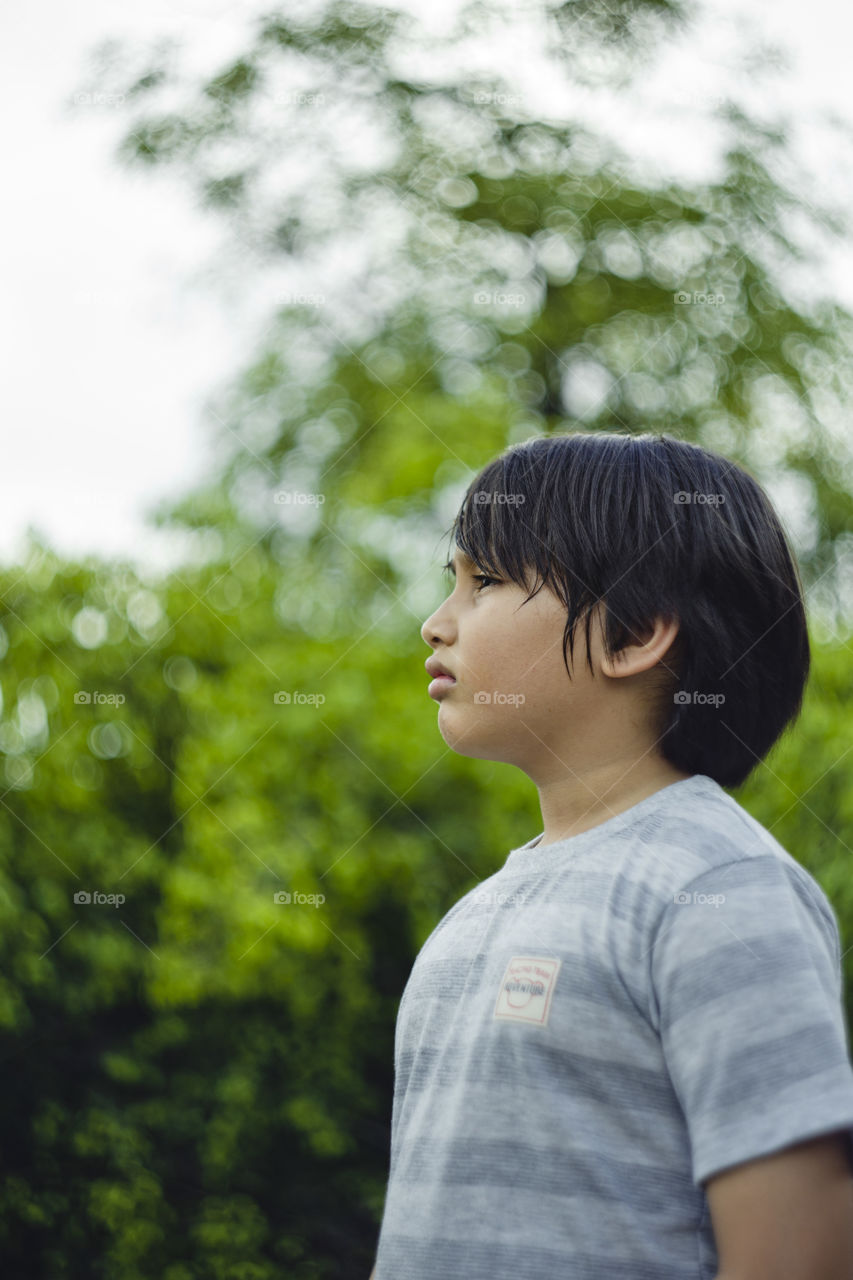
(482, 577)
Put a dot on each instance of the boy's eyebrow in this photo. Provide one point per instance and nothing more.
(450, 567)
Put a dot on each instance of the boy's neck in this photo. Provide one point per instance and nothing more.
(574, 805)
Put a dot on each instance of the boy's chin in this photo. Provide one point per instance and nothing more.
(469, 742)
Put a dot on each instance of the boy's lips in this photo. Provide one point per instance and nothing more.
(442, 679)
(437, 669)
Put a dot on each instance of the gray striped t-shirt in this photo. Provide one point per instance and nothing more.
(596, 1029)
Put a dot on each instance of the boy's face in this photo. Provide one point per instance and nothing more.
(512, 699)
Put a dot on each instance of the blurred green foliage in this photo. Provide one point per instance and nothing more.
(198, 1079)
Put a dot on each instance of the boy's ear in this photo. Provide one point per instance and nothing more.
(644, 650)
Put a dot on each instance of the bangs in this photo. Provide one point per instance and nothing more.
(493, 527)
(546, 514)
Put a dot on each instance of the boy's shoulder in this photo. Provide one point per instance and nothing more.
(717, 832)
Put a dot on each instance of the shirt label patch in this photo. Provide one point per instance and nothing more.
(526, 989)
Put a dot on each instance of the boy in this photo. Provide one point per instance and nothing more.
(624, 1055)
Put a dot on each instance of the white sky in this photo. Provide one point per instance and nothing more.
(111, 340)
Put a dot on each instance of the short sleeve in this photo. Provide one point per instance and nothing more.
(747, 987)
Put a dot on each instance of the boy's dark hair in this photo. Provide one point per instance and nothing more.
(654, 526)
